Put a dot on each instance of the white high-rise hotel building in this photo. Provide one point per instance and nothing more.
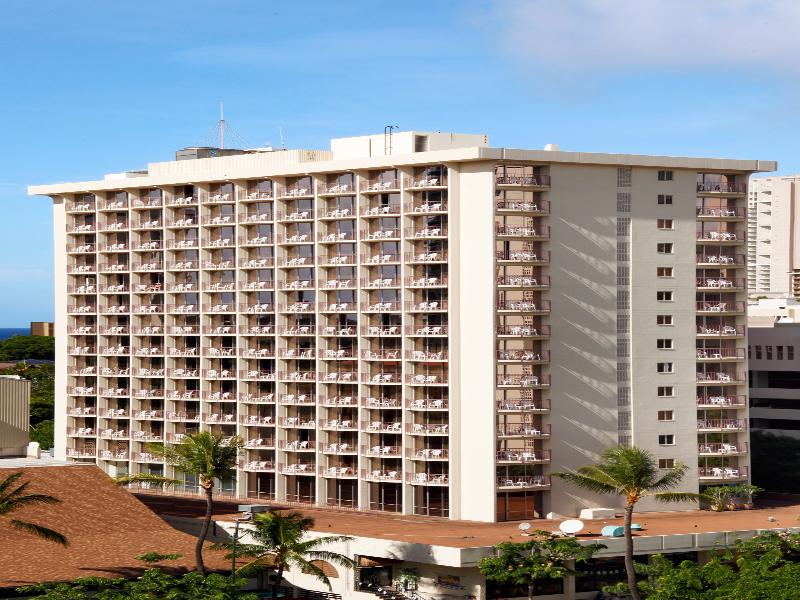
(430, 326)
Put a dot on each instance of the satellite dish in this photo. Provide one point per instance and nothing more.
(524, 527)
(571, 526)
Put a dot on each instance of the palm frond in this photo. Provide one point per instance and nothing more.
(311, 569)
(670, 479)
(145, 477)
(8, 482)
(678, 497)
(332, 557)
(42, 532)
(256, 566)
(588, 482)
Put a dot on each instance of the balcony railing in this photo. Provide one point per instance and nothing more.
(523, 405)
(522, 430)
(380, 185)
(82, 411)
(427, 478)
(425, 331)
(82, 452)
(523, 281)
(714, 306)
(522, 356)
(148, 415)
(183, 394)
(382, 451)
(724, 212)
(260, 443)
(383, 427)
(427, 428)
(523, 256)
(261, 375)
(257, 466)
(426, 181)
(720, 353)
(524, 180)
(263, 240)
(335, 188)
(724, 188)
(524, 231)
(337, 259)
(722, 424)
(383, 210)
(720, 259)
(381, 475)
(523, 306)
(722, 236)
(422, 282)
(515, 482)
(412, 257)
(722, 473)
(380, 307)
(525, 380)
(426, 232)
(720, 283)
(542, 206)
(523, 456)
(80, 248)
(718, 377)
(720, 330)
(379, 234)
(523, 330)
(721, 401)
(249, 398)
(722, 448)
(183, 417)
(337, 401)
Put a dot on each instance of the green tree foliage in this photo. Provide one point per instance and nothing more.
(633, 474)
(43, 433)
(279, 542)
(766, 567)
(545, 556)
(774, 459)
(22, 347)
(14, 495)
(153, 584)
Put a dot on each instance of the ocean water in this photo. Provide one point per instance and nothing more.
(7, 332)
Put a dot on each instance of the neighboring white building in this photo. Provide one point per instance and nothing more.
(417, 323)
(15, 400)
(773, 237)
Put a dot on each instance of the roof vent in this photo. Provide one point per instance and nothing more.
(552, 147)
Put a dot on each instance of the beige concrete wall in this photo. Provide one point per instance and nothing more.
(584, 305)
(62, 340)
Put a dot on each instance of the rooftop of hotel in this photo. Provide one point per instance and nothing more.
(373, 152)
(473, 534)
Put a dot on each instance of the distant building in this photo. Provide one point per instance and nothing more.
(42, 328)
(15, 399)
(773, 237)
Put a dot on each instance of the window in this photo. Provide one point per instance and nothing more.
(665, 175)
(666, 391)
(666, 415)
(789, 352)
(663, 319)
(664, 199)
(665, 367)
(758, 352)
(664, 343)
(769, 352)
(664, 248)
(623, 201)
(666, 463)
(624, 176)
(666, 440)
(623, 226)
(663, 296)
(664, 271)
(779, 350)
(665, 224)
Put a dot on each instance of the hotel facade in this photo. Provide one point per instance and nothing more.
(419, 324)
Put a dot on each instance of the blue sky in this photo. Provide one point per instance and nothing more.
(95, 86)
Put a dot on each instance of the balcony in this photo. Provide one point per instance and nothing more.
(427, 356)
(521, 306)
(338, 259)
(422, 282)
(292, 217)
(146, 457)
(724, 213)
(149, 393)
(720, 188)
(82, 228)
(515, 405)
(291, 331)
(339, 425)
(184, 394)
(257, 466)
(223, 265)
(81, 268)
(219, 418)
(717, 378)
(523, 181)
(383, 210)
(722, 237)
(720, 331)
(380, 235)
(113, 455)
(373, 402)
(431, 479)
(426, 232)
(183, 309)
(522, 482)
(295, 190)
(426, 182)
(382, 378)
(721, 425)
(716, 307)
(297, 423)
(427, 379)
(82, 452)
(526, 232)
(427, 429)
(81, 432)
(298, 284)
(426, 331)
(721, 401)
(541, 207)
(260, 375)
(337, 401)
(336, 189)
(720, 354)
(147, 203)
(148, 415)
(520, 456)
(523, 282)
(260, 353)
(526, 331)
(382, 451)
(219, 243)
(219, 374)
(147, 436)
(383, 427)
(264, 240)
(523, 381)
(413, 258)
(428, 454)
(720, 260)
(339, 377)
(381, 476)
(334, 331)
(181, 201)
(522, 356)
(523, 257)
(378, 186)
(80, 248)
(80, 207)
(707, 474)
(256, 286)
(183, 417)
(382, 307)
(250, 218)
(248, 398)
(114, 434)
(522, 430)
(260, 443)
(721, 283)
(722, 449)
(255, 195)
(148, 224)
(111, 248)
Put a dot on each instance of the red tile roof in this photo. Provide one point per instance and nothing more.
(107, 527)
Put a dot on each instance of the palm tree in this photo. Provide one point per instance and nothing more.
(632, 473)
(279, 543)
(203, 455)
(14, 498)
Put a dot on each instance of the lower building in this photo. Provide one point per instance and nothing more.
(774, 362)
(42, 328)
(15, 400)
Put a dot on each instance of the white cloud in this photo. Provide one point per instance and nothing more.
(618, 36)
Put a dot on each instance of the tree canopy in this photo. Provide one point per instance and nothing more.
(22, 347)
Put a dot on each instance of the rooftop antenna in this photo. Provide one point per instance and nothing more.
(387, 139)
(283, 142)
(221, 125)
